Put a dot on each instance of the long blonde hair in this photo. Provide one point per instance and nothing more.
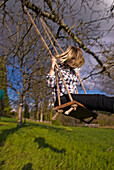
(69, 53)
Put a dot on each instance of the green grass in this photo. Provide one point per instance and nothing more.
(37, 146)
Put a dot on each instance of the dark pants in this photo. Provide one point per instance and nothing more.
(91, 101)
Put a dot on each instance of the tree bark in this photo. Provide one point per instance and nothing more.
(41, 113)
(20, 114)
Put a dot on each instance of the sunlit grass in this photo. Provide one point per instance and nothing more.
(39, 146)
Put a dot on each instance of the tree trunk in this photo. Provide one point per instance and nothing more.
(38, 115)
(41, 114)
(51, 112)
(20, 114)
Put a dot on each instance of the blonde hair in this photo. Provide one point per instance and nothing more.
(69, 53)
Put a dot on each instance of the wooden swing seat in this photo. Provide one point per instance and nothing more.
(81, 112)
(69, 104)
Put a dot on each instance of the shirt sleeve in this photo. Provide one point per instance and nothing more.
(50, 80)
(77, 80)
(2, 95)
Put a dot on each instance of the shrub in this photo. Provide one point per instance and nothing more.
(56, 122)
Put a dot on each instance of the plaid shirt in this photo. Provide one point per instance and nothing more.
(70, 80)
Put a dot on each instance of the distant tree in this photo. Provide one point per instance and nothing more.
(26, 113)
(4, 84)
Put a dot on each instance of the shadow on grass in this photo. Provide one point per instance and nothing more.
(47, 126)
(42, 144)
(8, 120)
(27, 167)
(5, 133)
(37, 124)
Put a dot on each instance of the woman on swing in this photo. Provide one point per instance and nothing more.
(69, 60)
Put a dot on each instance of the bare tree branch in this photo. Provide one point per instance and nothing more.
(62, 25)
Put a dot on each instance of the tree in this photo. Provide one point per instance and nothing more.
(21, 66)
(4, 84)
(26, 113)
(85, 32)
(80, 23)
(40, 92)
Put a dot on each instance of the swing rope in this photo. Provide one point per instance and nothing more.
(45, 27)
(32, 21)
(51, 34)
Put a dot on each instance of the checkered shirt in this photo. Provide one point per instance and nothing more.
(70, 80)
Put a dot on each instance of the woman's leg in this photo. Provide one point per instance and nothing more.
(96, 101)
(91, 101)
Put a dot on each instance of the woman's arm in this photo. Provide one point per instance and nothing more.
(50, 78)
(53, 62)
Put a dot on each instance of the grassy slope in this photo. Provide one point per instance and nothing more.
(38, 146)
